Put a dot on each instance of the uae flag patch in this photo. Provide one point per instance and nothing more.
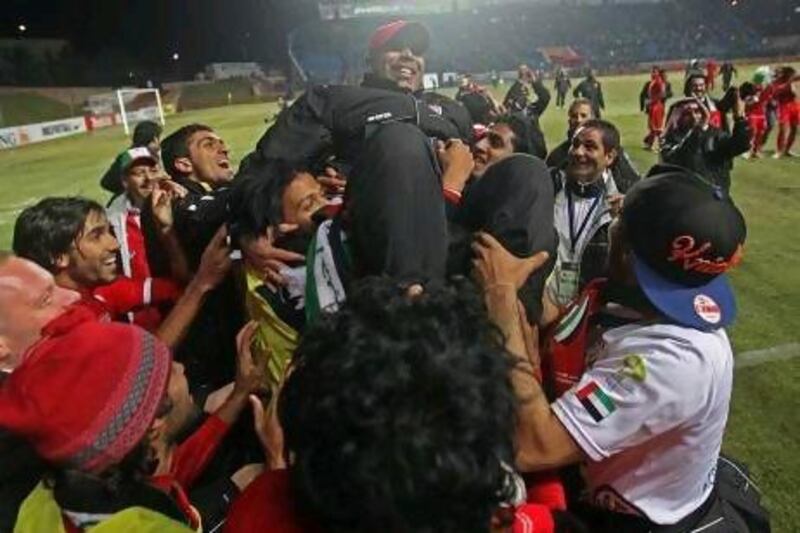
(596, 401)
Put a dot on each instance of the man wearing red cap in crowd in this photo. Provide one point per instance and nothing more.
(644, 408)
(379, 138)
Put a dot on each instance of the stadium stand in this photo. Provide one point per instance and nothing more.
(607, 36)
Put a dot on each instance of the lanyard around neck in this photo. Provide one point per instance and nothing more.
(573, 236)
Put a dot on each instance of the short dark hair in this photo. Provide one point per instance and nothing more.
(257, 202)
(48, 229)
(608, 132)
(176, 145)
(146, 131)
(581, 101)
(399, 412)
(520, 124)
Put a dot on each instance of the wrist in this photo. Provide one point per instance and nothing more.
(198, 286)
(501, 287)
(454, 181)
(501, 300)
(239, 395)
(451, 195)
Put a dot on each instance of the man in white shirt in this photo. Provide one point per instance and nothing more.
(648, 415)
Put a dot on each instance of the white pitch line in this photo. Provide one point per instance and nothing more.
(783, 352)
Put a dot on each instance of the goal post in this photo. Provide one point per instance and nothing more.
(125, 99)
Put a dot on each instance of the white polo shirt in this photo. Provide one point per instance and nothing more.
(650, 413)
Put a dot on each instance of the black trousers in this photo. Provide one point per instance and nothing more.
(396, 213)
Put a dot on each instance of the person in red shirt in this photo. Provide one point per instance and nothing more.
(788, 109)
(656, 98)
(144, 182)
(755, 99)
(72, 239)
(127, 400)
(398, 415)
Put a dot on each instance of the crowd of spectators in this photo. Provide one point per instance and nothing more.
(605, 36)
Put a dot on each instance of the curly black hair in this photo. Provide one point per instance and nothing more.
(399, 411)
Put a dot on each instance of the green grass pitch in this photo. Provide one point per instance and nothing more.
(764, 426)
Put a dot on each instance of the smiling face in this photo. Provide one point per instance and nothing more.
(497, 144)
(139, 180)
(92, 259)
(208, 159)
(588, 157)
(697, 87)
(400, 65)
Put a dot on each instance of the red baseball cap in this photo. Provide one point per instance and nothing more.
(400, 34)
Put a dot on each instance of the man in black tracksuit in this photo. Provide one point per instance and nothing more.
(591, 89)
(381, 136)
(197, 159)
(562, 85)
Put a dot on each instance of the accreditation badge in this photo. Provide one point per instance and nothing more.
(568, 281)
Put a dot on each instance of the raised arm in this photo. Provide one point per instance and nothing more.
(542, 442)
(214, 266)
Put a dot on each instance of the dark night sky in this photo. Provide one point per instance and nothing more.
(148, 32)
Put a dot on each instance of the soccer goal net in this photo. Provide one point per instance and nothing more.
(124, 106)
(136, 105)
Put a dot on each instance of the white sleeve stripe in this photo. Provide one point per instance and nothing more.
(583, 440)
(148, 291)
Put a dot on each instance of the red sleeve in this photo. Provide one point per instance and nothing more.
(533, 518)
(163, 290)
(657, 89)
(125, 294)
(121, 295)
(451, 196)
(194, 454)
(545, 488)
